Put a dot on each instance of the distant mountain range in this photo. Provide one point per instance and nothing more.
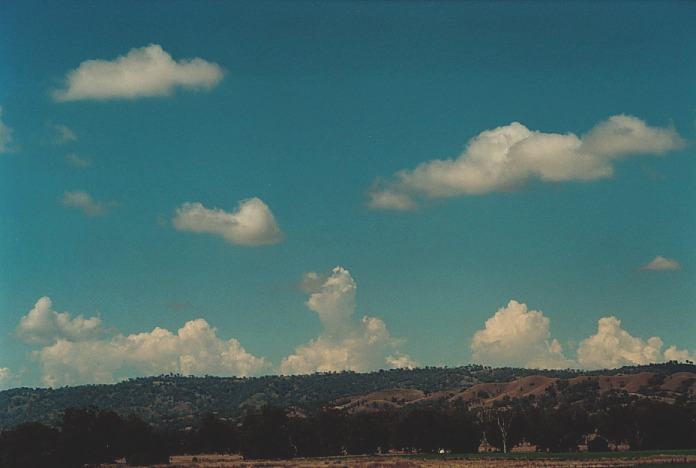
(175, 401)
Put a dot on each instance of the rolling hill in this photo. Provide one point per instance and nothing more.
(176, 401)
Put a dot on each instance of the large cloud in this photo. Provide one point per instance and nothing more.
(83, 201)
(194, 350)
(6, 138)
(346, 343)
(612, 346)
(80, 350)
(507, 157)
(517, 336)
(143, 72)
(251, 224)
(44, 325)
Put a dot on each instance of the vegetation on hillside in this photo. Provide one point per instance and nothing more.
(175, 402)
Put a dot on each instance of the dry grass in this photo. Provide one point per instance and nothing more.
(229, 461)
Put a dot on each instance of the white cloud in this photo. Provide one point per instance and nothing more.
(143, 72)
(401, 361)
(516, 336)
(345, 344)
(6, 378)
(194, 350)
(661, 263)
(63, 134)
(612, 347)
(6, 138)
(507, 157)
(391, 200)
(251, 224)
(674, 354)
(44, 325)
(83, 201)
(78, 161)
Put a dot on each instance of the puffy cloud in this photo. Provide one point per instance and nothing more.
(5, 378)
(674, 354)
(507, 157)
(194, 350)
(251, 224)
(612, 347)
(516, 336)
(79, 350)
(345, 344)
(78, 161)
(6, 138)
(44, 325)
(83, 201)
(143, 72)
(63, 134)
(401, 361)
(661, 263)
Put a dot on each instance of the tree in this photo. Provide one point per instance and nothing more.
(266, 434)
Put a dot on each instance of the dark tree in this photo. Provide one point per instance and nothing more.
(216, 436)
(266, 434)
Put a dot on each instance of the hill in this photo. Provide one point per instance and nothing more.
(175, 401)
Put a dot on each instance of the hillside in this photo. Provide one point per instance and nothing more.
(175, 401)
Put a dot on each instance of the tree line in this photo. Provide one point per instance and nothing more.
(91, 436)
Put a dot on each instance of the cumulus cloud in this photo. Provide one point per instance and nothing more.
(142, 72)
(507, 157)
(63, 134)
(6, 138)
(78, 350)
(345, 343)
(661, 263)
(612, 347)
(5, 378)
(401, 361)
(42, 325)
(517, 336)
(78, 161)
(251, 224)
(674, 354)
(84, 202)
(195, 349)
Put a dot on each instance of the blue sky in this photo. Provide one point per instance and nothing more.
(312, 108)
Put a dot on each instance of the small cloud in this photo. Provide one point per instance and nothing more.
(251, 224)
(5, 378)
(83, 201)
(390, 200)
(661, 263)
(143, 72)
(6, 137)
(80, 162)
(63, 134)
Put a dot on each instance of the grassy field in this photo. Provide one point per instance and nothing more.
(646, 459)
(559, 456)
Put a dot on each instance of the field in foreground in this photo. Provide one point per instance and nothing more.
(666, 458)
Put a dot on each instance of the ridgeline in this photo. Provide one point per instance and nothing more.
(176, 402)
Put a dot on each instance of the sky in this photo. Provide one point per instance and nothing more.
(250, 188)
